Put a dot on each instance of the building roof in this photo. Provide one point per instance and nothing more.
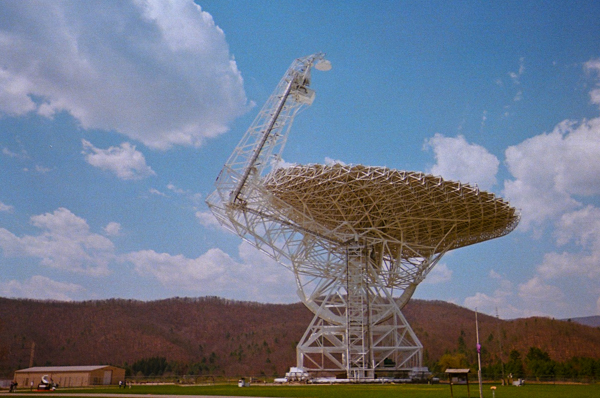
(458, 371)
(50, 369)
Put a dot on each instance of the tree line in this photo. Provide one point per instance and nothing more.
(536, 364)
(160, 366)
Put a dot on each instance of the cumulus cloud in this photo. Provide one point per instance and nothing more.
(593, 67)
(256, 277)
(65, 242)
(6, 208)
(124, 161)
(179, 271)
(570, 264)
(551, 170)
(438, 274)
(540, 298)
(458, 160)
(265, 279)
(555, 182)
(113, 229)
(554, 174)
(40, 288)
(538, 291)
(207, 219)
(503, 301)
(484, 303)
(581, 227)
(157, 72)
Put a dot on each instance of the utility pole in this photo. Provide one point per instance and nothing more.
(500, 343)
(31, 355)
(478, 355)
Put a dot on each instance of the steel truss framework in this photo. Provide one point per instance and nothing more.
(359, 239)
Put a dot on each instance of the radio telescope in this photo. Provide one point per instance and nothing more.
(359, 239)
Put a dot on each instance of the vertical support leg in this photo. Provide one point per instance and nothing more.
(358, 313)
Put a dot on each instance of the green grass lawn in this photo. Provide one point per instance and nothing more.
(361, 391)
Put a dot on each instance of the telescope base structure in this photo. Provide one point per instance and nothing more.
(331, 348)
(358, 327)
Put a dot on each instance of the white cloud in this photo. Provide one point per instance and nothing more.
(330, 162)
(439, 274)
(113, 229)
(551, 169)
(536, 290)
(175, 189)
(155, 191)
(265, 279)
(125, 161)
(494, 275)
(42, 169)
(518, 96)
(256, 277)
(157, 72)
(581, 226)
(495, 304)
(181, 272)
(528, 302)
(593, 66)
(40, 288)
(484, 117)
(554, 175)
(458, 160)
(207, 219)
(13, 95)
(484, 303)
(6, 208)
(280, 163)
(516, 76)
(569, 264)
(195, 198)
(65, 243)
(595, 96)
(539, 298)
(22, 155)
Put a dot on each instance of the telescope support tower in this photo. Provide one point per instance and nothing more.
(359, 239)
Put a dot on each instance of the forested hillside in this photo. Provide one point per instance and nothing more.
(223, 337)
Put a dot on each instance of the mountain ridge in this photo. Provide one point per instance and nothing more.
(228, 337)
(592, 321)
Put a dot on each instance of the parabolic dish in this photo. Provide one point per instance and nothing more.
(381, 204)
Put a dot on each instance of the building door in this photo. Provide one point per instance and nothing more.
(107, 377)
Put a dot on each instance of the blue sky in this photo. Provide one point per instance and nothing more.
(116, 118)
